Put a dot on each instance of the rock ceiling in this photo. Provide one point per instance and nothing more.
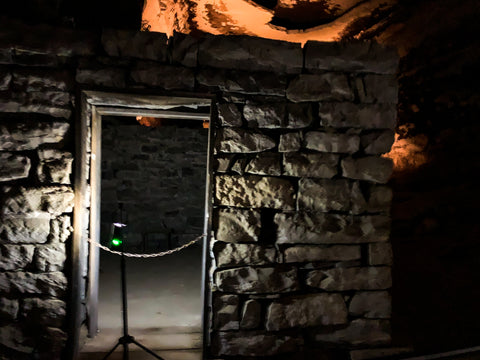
(290, 20)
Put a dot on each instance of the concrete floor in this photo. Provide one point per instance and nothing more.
(164, 306)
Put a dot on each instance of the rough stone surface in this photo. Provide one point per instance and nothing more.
(254, 343)
(251, 315)
(299, 116)
(15, 257)
(250, 280)
(233, 140)
(324, 87)
(249, 53)
(143, 44)
(55, 166)
(13, 337)
(378, 89)
(269, 116)
(222, 163)
(50, 257)
(371, 304)
(371, 168)
(324, 195)
(305, 311)
(235, 225)
(347, 114)
(359, 332)
(290, 142)
(53, 284)
(254, 191)
(165, 77)
(308, 253)
(25, 230)
(29, 135)
(380, 198)
(5, 79)
(359, 56)
(60, 229)
(367, 354)
(355, 278)
(377, 142)
(8, 308)
(100, 75)
(52, 199)
(228, 254)
(13, 166)
(41, 80)
(265, 164)
(226, 312)
(380, 254)
(229, 115)
(44, 312)
(310, 165)
(184, 49)
(303, 228)
(331, 142)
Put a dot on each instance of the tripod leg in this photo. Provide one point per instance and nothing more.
(147, 350)
(125, 351)
(111, 351)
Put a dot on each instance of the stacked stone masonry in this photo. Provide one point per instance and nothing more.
(300, 254)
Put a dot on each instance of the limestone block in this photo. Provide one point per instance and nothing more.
(310, 165)
(8, 309)
(309, 253)
(222, 163)
(55, 166)
(243, 82)
(254, 343)
(184, 49)
(163, 76)
(102, 76)
(54, 200)
(229, 115)
(239, 166)
(60, 229)
(42, 80)
(324, 195)
(267, 163)
(305, 311)
(254, 191)
(13, 337)
(380, 254)
(234, 140)
(13, 166)
(359, 332)
(53, 342)
(371, 304)
(270, 116)
(228, 254)
(251, 315)
(371, 168)
(369, 57)
(49, 312)
(350, 115)
(19, 136)
(324, 87)
(299, 116)
(136, 44)
(377, 89)
(15, 257)
(354, 278)
(235, 225)
(377, 142)
(250, 280)
(226, 312)
(303, 228)
(290, 142)
(250, 53)
(5, 79)
(24, 229)
(52, 284)
(331, 142)
(368, 354)
(50, 257)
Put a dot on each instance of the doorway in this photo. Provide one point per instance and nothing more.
(159, 175)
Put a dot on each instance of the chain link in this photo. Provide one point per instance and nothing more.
(145, 256)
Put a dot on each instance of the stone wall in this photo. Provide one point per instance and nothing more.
(158, 174)
(300, 256)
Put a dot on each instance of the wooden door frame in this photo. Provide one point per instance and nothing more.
(86, 217)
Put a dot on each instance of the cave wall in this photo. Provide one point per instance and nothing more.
(301, 258)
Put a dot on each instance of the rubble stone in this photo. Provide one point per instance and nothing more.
(331, 142)
(102, 76)
(49, 312)
(8, 308)
(250, 280)
(305, 311)
(377, 142)
(324, 87)
(371, 168)
(60, 229)
(251, 315)
(228, 254)
(184, 49)
(13, 166)
(53, 284)
(13, 337)
(163, 76)
(235, 225)
(378, 89)
(308, 253)
(229, 115)
(233, 140)
(21, 229)
(371, 304)
(15, 257)
(226, 312)
(290, 142)
(299, 116)
(269, 116)
(55, 166)
(368, 116)
(265, 164)
(324, 195)
(50, 257)
(354, 278)
(21, 136)
(310, 165)
(380, 254)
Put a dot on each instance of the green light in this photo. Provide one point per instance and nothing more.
(116, 242)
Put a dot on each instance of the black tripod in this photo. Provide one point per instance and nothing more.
(126, 338)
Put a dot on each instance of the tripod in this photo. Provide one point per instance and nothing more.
(126, 338)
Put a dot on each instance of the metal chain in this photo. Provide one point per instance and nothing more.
(134, 255)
